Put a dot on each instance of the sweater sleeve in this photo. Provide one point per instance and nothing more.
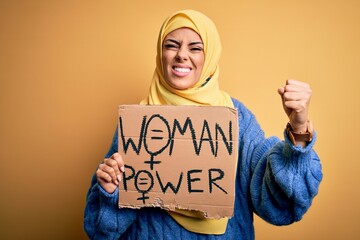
(284, 178)
(102, 218)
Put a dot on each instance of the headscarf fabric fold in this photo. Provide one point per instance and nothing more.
(205, 92)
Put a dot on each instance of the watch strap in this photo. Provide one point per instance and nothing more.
(300, 137)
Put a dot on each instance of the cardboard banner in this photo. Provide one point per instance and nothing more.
(181, 157)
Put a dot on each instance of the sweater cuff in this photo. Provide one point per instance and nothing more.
(109, 198)
(298, 156)
(289, 147)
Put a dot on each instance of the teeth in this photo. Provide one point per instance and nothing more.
(183, 70)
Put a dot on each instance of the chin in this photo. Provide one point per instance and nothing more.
(181, 86)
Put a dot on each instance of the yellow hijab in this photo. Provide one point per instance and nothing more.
(205, 92)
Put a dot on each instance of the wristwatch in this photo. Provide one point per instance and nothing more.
(302, 137)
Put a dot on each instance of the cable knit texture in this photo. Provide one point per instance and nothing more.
(275, 179)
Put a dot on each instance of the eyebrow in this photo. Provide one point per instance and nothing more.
(178, 43)
(194, 43)
(173, 41)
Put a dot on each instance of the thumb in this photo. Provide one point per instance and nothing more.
(281, 91)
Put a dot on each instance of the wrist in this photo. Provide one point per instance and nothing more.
(300, 129)
(302, 134)
(109, 198)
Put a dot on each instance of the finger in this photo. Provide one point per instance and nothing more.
(118, 164)
(110, 170)
(306, 92)
(296, 84)
(113, 164)
(120, 169)
(294, 96)
(281, 90)
(297, 106)
(100, 174)
(297, 93)
(116, 156)
(294, 88)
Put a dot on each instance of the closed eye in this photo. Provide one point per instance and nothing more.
(197, 49)
(196, 46)
(171, 46)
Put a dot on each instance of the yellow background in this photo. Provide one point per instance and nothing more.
(65, 66)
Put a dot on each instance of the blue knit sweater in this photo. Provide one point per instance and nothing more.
(275, 180)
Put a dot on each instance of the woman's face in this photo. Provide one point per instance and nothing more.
(182, 58)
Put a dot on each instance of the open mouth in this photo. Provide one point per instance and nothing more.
(182, 70)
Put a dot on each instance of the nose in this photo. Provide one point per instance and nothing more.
(181, 54)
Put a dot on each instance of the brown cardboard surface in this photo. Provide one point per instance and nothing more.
(179, 157)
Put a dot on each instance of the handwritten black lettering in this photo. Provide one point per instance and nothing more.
(228, 143)
(163, 136)
(153, 153)
(147, 181)
(182, 130)
(144, 181)
(169, 184)
(129, 141)
(205, 132)
(127, 178)
(191, 180)
(213, 179)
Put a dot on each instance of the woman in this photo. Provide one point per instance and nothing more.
(275, 179)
